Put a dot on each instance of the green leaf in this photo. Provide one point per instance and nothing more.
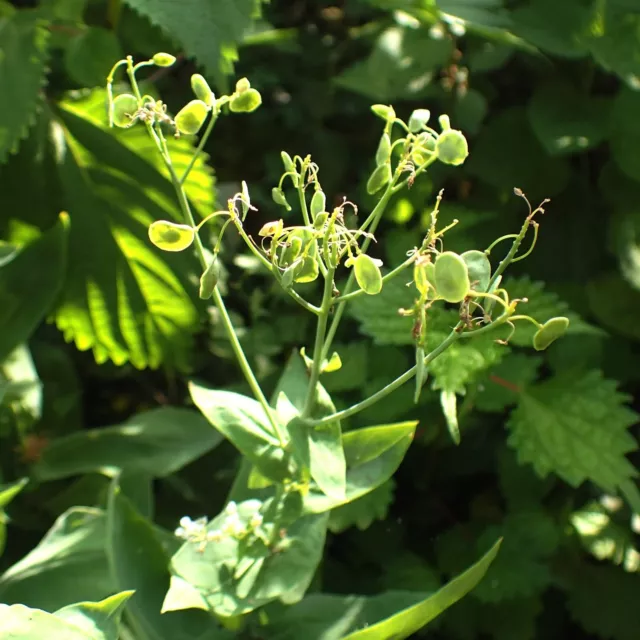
(71, 556)
(575, 426)
(99, 620)
(507, 153)
(10, 491)
(23, 41)
(567, 121)
(29, 286)
(18, 622)
(378, 315)
(604, 601)
(139, 562)
(372, 456)
(90, 55)
(123, 299)
(384, 76)
(207, 32)
(521, 569)
(615, 304)
(362, 511)
(282, 573)
(406, 622)
(157, 442)
(243, 422)
(327, 462)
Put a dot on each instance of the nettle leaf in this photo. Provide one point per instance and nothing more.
(575, 426)
(23, 41)
(206, 30)
(29, 285)
(541, 306)
(157, 442)
(363, 511)
(384, 76)
(500, 386)
(604, 601)
(567, 121)
(378, 315)
(124, 299)
(521, 568)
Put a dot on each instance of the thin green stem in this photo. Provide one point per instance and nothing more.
(217, 298)
(392, 386)
(200, 147)
(318, 347)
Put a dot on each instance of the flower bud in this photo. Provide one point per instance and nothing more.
(170, 236)
(124, 108)
(384, 112)
(445, 123)
(451, 147)
(163, 59)
(451, 277)
(202, 90)
(418, 120)
(191, 117)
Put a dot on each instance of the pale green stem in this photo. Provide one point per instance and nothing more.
(391, 387)
(318, 351)
(198, 151)
(217, 298)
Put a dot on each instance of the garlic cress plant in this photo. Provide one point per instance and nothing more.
(298, 465)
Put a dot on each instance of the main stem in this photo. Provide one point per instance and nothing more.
(318, 348)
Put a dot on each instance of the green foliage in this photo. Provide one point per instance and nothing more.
(575, 426)
(24, 36)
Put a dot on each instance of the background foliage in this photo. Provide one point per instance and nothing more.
(97, 328)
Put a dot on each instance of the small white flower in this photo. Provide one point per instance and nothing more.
(231, 508)
(214, 536)
(256, 520)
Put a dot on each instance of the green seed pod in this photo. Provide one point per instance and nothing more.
(320, 221)
(307, 270)
(479, 269)
(379, 178)
(124, 108)
(202, 90)
(418, 120)
(367, 272)
(383, 154)
(451, 147)
(191, 117)
(170, 236)
(445, 123)
(424, 277)
(421, 373)
(246, 200)
(384, 112)
(243, 85)
(279, 198)
(163, 59)
(451, 277)
(549, 332)
(245, 102)
(209, 279)
(298, 242)
(318, 203)
(287, 276)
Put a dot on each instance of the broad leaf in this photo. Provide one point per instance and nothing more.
(23, 41)
(157, 442)
(139, 562)
(243, 422)
(362, 511)
(29, 285)
(71, 556)
(575, 426)
(372, 455)
(99, 620)
(18, 622)
(389, 615)
(206, 31)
